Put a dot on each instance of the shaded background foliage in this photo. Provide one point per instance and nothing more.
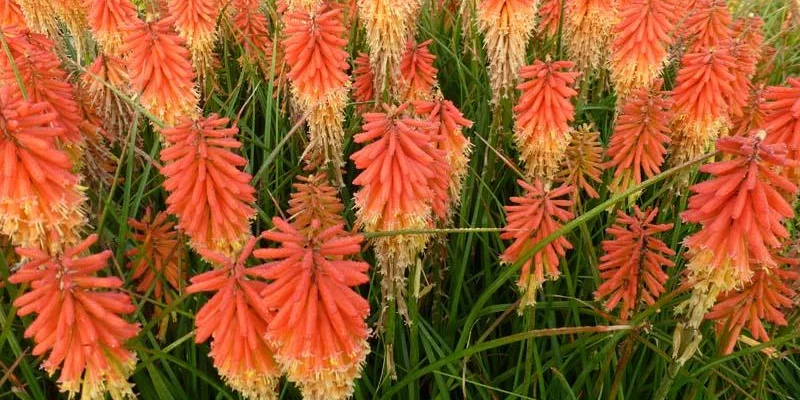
(457, 345)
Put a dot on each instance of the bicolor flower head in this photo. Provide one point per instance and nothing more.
(208, 192)
(115, 112)
(542, 115)
(314, 199)
(44, 80)
(235, 318)
(764, 299)
(507, 26)
(41, 204)
(196, 23)
(700, 101)
(588, 25)
(79, 322)
(319, 329)
(529, 219)
(451, 140)
(158, 260)
(107, 19)
(40, 16)
(160, 70)
(583, 160)
(417, 73)
(641, 133)
(632, 266)
(741, 209)
(388, 25)
(640, 48)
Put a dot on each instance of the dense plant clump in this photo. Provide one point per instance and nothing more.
(336, 199)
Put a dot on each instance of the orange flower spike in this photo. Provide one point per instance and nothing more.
(11, 14)
(753, 115)
(315, 199)
(79, 320)
(40, 200)
(700, 101)
(114, 111)
(107, 19)
(781, 108)
(235, 319)
(315, 52)
(530, 219)
(196, 22)
(158, 260)
(583, 160)
(388, 25)
(363, 82)
(709, 25)
(507, 26)
(638, 145)
(319, 330)
(208, 192)
(417, 73)
(641, 43)
(550, 16)
(632, 266)
(252, 34)
(588, 25)
(741, 207)
(764, 298)
(746, 50)
(451, 140)
(542, 115)
(160, 70)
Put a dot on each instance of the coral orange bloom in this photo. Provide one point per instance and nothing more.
(114, 111)
(315, 199)
(235, 319)
(251, 32)
(79, 320)
(107, 18)
(44, 79)
(588, 25)
(638, 144)
(196, 22)
(315, 52)
(388, 25)
(550, 16)
(452, 141)
(10, 14)
(762, 299)
(40, 200)
(583, 160)
(746, 50)
(781, 107)
(159, 259)
(363, 81)
(531, 218)
(417, 73)
(398, 180)
(208, 192)
(160, 70)
(319, 330)
(542, 116)
(632, 266)
(507, 26)
(709, 25)
(753, 116)
(740, 209)
(641, 43)
(700, 95)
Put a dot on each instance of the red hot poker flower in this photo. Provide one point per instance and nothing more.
(363, 82)
(530, 219)
(79, 319)
(107, 18)
(631, 267)
(208, 192)
(741, 207)
(417, 73)
(236, 319)
(708, 25)
(781, 107)
(319, 331)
